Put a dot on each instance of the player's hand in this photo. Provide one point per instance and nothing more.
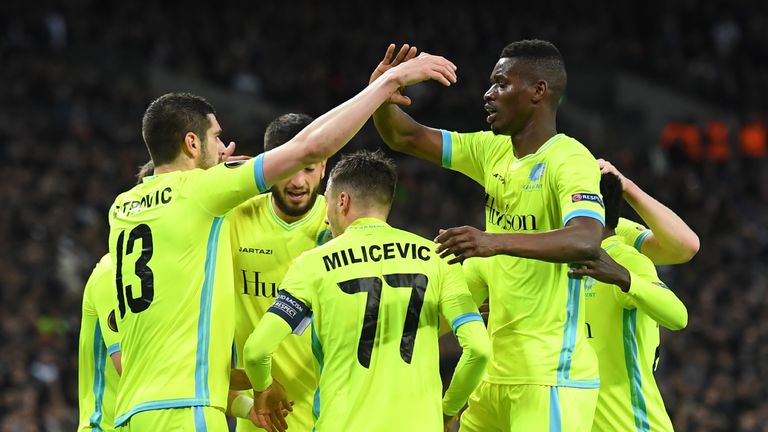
(228, 154)
(448, 423)
(604, 269)
(421, 68)
(270, 407)
(607, 167)
(464, 242)
(406, 53)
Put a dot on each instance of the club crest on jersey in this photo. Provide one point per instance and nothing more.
(537, 172)
(587, 197)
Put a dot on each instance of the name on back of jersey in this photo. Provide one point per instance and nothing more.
(375, 253)
(149, 200)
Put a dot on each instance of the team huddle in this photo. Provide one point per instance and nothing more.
(233, 288)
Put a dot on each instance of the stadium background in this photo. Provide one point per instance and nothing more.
(673, 93)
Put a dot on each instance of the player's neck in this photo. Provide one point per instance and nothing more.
(180, 164)
(530, 139)
(289, 219)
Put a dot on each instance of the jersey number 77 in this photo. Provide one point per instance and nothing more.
(372, 287)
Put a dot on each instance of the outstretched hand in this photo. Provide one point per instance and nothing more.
(388, 62)
(604, 269)
(464, 242)
(270, 407)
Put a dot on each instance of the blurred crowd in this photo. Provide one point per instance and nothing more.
(75, 84)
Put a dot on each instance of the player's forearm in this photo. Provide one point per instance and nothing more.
(658, 302)
(238, 380)
(573, 243)
(476, 352)
(676, 243)
(260, 347)
(332, 130)
(404, 134)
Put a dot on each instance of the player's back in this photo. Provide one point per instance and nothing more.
(626, 341)
(171, 249)
(375, 329)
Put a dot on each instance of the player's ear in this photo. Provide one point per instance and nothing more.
(191, 144)
(344, 202)
(538, 91)
(322, 169)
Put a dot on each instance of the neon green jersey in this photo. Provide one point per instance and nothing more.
(632, 233)
(624, 330)
(96, 374)
(536, 322)
(263, 247)
(376, 293)
(171, 248)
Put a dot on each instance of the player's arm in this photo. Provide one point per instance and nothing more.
(576, 181)
(671, 240)
(459, 310)
(238, 380)
(331, 131)
(579, 240)
(640, 289)
(398, 130)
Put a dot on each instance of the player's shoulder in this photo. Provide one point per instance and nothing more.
(487, 139)
(563, 147)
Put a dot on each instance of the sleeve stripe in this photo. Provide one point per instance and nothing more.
(641, 238)
(447, 148)
(258, 173)
(463, 319)
(115, 347)
(585, 213)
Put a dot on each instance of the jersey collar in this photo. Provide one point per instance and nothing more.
(610, 242)
(300, 222)
(367, 222)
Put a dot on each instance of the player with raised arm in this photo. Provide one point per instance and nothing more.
(543, 211)
(374, 294)
(624, 310)
(668, 239)
(171, 250)
(268, 232)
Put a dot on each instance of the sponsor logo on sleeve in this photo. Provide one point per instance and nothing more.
(587, 197)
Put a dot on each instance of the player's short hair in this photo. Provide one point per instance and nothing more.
(545, 62)
(610, 189)
(284, 128)
(366, 175)
(168, 119)
(145, 170)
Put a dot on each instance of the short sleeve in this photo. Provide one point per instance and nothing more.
(577, 179)
(466, 152)
(632, 233)
(221, 188)
(476, 279)
(455, 300)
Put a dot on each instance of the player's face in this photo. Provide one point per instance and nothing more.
(211, 146)
(507, 101)
(296, 196)
(332, 212)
